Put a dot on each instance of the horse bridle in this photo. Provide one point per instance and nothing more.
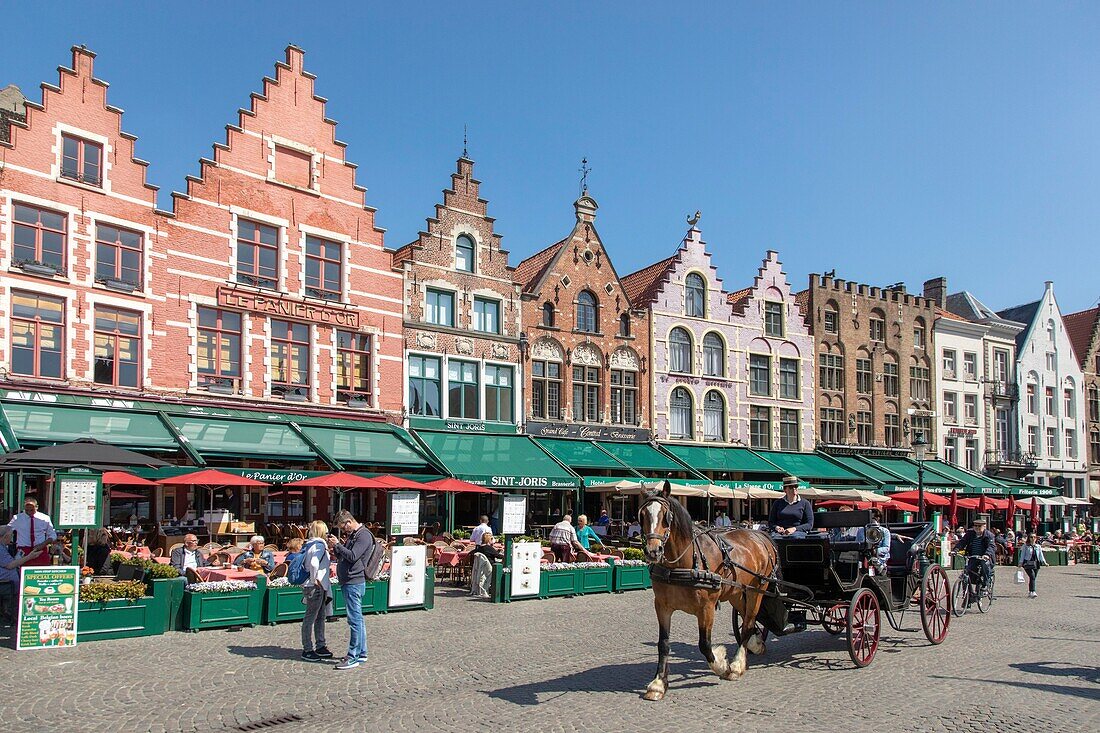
(670, 519)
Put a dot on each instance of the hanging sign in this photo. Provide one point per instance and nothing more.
(407, 571)
(404, 512)
(77, 498)
(513, 514)
(48, 607)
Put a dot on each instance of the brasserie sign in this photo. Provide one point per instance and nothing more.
(588, 432)
(276, 305)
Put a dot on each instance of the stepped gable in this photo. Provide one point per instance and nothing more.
(641, 286)
(1081, 327)
(739, 299)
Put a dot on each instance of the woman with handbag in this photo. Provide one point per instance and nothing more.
(1031, 559)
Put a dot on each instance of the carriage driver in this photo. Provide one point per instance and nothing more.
(980, 549)
(790, 516)
(882, 549)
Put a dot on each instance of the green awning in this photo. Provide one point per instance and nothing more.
(966, 479)
(641, 457)
(908, 470)
(368, 447)
(713, 458)
(498, 461)
(214, 436)
(580, 455)
(876, 474)
(810, 466)
(34, 423)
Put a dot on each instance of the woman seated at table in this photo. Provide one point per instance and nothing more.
(432, 532)
(481, 575)
(257, 556)
(586, 535)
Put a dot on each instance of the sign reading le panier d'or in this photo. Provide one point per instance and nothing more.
(588, 432)
(275, 305)
(48, 607)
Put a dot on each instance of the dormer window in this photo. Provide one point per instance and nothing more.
(464, 253)
(548, 314)
(586, 312)
(695, 295)
(81, 160)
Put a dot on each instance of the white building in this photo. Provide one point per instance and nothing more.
(960, 412)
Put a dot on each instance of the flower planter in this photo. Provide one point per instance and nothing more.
(124, 618)
(284, 603)
(631, 577)
(595, 580)
(558, 583)
(232, 608)
(375, 597)
(172, 590)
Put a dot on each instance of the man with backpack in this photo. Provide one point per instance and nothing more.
(357, 558)
(311, 570)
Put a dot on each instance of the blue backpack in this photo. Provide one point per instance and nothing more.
(297, 572)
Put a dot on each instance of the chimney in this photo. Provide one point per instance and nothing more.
(936, 291)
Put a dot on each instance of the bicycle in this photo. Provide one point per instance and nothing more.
(969, 590)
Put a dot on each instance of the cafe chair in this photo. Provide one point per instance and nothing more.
(130, 572)
(192, 576)
(159, 552)
(173, 548)
(278, 572)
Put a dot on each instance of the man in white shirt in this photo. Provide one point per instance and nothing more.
(33, 528)
(563, 539)
(479, 530)
(722, 520)
(189, 556)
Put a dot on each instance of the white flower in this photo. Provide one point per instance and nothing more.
(221, 586)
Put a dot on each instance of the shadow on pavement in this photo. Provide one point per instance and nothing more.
(265, 652)
(1085, 692)
(1060, 669)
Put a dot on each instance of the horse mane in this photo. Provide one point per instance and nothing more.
(681, 520)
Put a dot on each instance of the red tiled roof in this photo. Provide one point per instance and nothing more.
(739, 298)
(531, 270)
(803, 300)
(1079, 328)
(641, 286)
(944, 313)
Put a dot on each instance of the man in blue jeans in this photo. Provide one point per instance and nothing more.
(351, 557)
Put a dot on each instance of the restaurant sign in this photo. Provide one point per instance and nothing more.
(461, 426)
(283, 307)
(588, 432)
(48, 608)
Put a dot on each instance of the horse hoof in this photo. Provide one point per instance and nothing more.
(653, 696)
(655, 691)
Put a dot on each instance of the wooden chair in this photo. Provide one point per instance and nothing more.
(301, 530)
(279, 571)
(173, 548)
(159, 552)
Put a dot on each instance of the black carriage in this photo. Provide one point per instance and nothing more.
(838, 583)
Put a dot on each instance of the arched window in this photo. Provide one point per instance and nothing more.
(586, 312)
(695, 295)
(714, 355)
(624, 324)
(464, 253)
(548, 314)
(679, 415)
(679, 350)
(714, 417)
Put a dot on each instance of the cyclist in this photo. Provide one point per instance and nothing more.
(980, 548)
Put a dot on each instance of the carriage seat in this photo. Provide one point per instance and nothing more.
(898, 564)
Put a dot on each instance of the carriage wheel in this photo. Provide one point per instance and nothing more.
(760, 630)
(864, 625)
(835, 619)
(935, 604)
(960, 595)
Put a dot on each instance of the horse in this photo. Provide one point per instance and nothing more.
(739, 573)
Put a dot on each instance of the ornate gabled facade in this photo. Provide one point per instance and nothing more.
(1084, 333)
(587, 345)
(462, 317)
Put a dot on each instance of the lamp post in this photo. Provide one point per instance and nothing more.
(920, 448)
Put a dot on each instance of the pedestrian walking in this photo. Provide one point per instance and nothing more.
(351, 570)
(1031, 559)
(316, 593)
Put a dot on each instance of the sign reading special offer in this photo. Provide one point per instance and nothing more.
(48, 607)
(404, 512)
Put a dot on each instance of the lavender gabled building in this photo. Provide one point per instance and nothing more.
(726, 368)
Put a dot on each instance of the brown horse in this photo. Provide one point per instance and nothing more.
(672, 542)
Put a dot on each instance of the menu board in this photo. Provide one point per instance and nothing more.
(407, 571)
(78, 500)
(526, 566)
(48, 607)
(404, 512)
(513, 513)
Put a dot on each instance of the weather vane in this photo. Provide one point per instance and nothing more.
(585, 170)
(693, 220)
(464, 142)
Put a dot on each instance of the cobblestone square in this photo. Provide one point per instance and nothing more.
(580, 664)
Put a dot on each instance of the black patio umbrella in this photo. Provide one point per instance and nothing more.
(84, 452)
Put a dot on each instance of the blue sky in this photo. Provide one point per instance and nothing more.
(893, 142)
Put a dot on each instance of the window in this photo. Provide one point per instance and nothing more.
(586, 394)
(760, 368)
(1048, 393)
(1094, 404)
(1033, 440)
(760, 427)
(289, 359)
(586, 312)
(1052, 442)
(219, 348)
(1070, 398)
(624, 397)
(424, 387)
(1071, 444)
(970, 366)
(949, 363)
(918, 336)
(788, 379)
(624, 325)
(37, 335)
(714, 417)
(1000, 365)
(498, 393)
(546, 389)
(922, 426)
(950, 407)
(324, 262)
(353, 366)
(440, 307)
(893, 429)
(463, 389)
(1094, 439)
(951, 451)
(257, 254)
(878, 329)
(81, 160)
(294, 167)
(117, 347)
(117, 255)
(789, 431)
(486, 315)
(832, 321)
(679, 348)
(548, 314)
(464, 253)
(680, 422)
(890, 381)
(1051, 362)
(864, 428)
(695, 295)
(971, 455)
(863, 376)
(831, 372)
(38, 237)
(832, 425)
(714, 355)
(773, 319)
(970, 409)
(1032, 400)
(918, 383)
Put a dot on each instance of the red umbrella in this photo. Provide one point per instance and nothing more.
(457, 486)
(339, 480)
(121, 478)
(1034, 514)
(930, 499)
(389, 481)
(210, 477)
(983, 505)
(968, 503)
(832, 503)
(953, 511)
(126, 495)
(901, 506)
(1010, 513)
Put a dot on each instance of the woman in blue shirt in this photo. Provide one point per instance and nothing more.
(585, 534)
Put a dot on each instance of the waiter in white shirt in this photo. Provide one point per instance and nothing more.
(479, 530)
(32, 529)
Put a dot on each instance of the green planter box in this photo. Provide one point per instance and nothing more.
(557, 583)
(595, 580)
(284, 604)
(217, 610)
(172, 589)
(375, 597)
(631, 577)
(123, 618)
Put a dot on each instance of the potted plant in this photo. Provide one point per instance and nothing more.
(223, 603)
(632, 571)
(283, 602)
(119, 609)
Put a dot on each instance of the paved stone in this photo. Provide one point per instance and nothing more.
(580, 665)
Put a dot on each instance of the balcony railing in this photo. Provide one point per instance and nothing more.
(1002, 390)
(1010, 459)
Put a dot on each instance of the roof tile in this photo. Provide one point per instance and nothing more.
(530, 271)
(641, 286)
(1079, 328)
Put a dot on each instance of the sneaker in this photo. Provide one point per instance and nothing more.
(323, 652)
(347, 664)
(1032, 595)
(363, 659)
(311, 656)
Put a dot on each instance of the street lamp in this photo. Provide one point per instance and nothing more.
(920, 450)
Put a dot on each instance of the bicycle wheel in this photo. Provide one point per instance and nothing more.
(985, 596)
(960, 596)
